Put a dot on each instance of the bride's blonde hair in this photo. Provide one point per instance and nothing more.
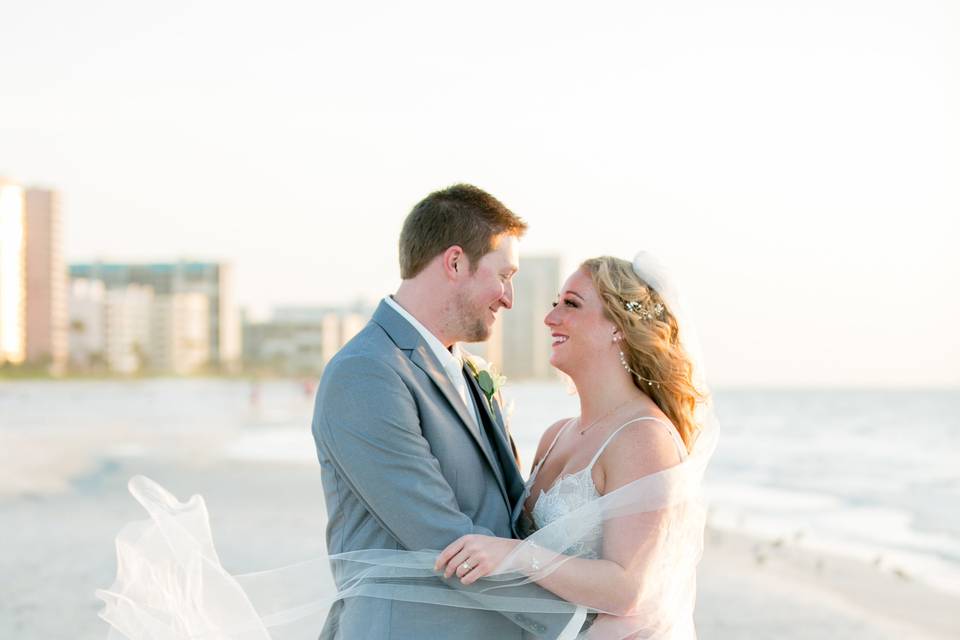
(650, 343)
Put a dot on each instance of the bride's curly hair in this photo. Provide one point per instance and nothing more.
(651, 345)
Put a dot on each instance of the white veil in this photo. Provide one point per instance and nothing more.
(170, 584)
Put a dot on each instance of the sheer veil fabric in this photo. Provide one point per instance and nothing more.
(171, 585)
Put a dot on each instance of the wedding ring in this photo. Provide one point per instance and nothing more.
(466, 566)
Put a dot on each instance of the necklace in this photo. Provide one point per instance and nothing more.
(606, 415)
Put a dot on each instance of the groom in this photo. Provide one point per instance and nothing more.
(413, 454)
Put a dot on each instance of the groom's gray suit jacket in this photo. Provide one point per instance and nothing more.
(405, 467)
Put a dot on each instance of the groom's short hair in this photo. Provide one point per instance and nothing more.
(461, 215)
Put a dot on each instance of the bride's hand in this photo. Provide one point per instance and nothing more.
(473, 557)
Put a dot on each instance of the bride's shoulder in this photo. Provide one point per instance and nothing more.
(647, 444)
(552, 431)
(548, 437)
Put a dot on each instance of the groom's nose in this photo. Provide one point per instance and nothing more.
(507, 297)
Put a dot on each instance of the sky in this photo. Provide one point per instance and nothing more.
(796, 163)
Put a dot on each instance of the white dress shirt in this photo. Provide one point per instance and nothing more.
(452, 362)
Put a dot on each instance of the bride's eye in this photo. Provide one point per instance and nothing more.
(571, 303)
(554, 304)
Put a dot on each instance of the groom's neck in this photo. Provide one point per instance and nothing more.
(424, 302)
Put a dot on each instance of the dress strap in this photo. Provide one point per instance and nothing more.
(556, 438)
(670, 428)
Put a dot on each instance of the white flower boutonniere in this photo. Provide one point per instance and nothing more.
(489, 380)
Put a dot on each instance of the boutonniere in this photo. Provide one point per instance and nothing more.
(489, 381)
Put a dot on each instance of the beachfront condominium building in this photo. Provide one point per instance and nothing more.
(214, 280)
(47, 339)
(526, 340)
(13, 279)
(130, 329)
(180, 333)
(127, 317)
(300, 340)
(338, 324)
(88, 334)
(351, 323)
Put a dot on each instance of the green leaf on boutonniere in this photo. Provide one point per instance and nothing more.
(485, 380)
(488, 382)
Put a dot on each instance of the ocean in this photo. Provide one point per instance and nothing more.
(871, 474)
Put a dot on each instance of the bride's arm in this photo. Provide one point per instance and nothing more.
(614, 582)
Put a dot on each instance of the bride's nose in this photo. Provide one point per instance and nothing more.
(550, 319)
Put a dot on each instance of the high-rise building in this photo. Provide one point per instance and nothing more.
(88, 337)
(300, 340)
(127, 315)
(47, 339)
(13, 281)
(351, 323)
(229, 331)
(180, 333)
(526, 340)
(211, 279)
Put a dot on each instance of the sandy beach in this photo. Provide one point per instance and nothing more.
(58, 533)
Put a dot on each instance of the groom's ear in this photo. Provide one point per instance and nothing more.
(455, 262)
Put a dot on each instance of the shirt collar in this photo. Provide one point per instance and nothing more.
(451, 362)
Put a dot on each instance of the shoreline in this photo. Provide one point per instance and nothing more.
(866, 599)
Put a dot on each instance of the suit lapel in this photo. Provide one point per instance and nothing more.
(495, 415)
(502, 423)
(482, 403)
(517, 488)
(428, 363)
(513, 481)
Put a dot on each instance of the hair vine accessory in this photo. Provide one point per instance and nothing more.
(642, 310)
(623, 361)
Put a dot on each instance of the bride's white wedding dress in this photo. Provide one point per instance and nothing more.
(572, 491)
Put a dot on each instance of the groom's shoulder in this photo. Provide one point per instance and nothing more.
(370, 349)
(372, 340)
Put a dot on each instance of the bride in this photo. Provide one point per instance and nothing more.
(620, 344)
(612, 513)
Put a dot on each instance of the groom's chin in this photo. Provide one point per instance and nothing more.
(476, 329)
(479, 333)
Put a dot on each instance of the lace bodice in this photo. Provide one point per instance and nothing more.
(572, 491)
